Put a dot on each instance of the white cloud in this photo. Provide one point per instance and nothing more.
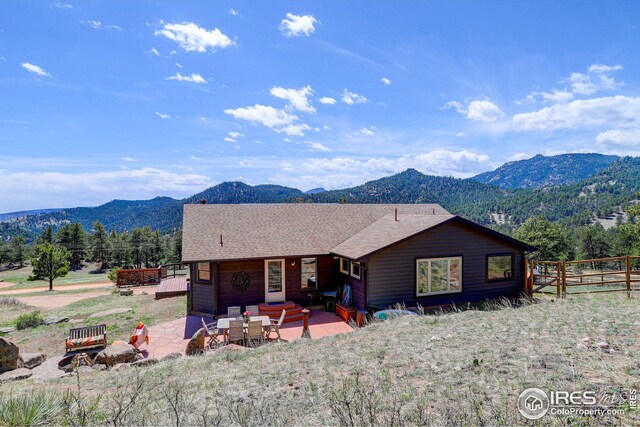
(520, 156)
(53, 189)
(193, 78)
(622, 138)
(236, 135)
(155, 51)
(287, 167)
(233, 12)
(601, 68)
(327, 100)
(596, 79)
(128, 159)
(60, 5)
(297, 25)
(229, 139)
(263, 114)
(35, 69)
(351, 98)
(99, 26)
(296, 129)
(367, 131)
(178, 65)
(193, 38)
(316, 146)
(481, 110)
(553, 96)
(613, 111)
(385, 81)
(162, 115)
(298, 98)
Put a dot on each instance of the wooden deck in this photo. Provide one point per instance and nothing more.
(172, 286)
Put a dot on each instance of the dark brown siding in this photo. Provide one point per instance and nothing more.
(357, 286)
(392, 276)
(202, 294)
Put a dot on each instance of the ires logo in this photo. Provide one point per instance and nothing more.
(573, 398)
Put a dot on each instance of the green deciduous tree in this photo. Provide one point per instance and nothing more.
(50, 262)
(552, 241)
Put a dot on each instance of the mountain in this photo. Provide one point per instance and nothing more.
(13, 215)
(315, 190)
(546, 171)
(239, 192)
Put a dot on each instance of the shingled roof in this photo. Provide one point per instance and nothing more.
(287, 230)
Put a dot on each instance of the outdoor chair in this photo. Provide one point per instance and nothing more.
(235, 333)
(255, 333)
(254, 309)
(275, 327)
(233, 312)
(211, 334)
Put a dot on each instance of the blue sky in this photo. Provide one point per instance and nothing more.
(104, 100)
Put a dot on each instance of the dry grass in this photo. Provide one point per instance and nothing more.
(459, 368)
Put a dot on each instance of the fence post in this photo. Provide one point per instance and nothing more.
(558, 279)
(564, 279)
(530, 263)
(628, 276)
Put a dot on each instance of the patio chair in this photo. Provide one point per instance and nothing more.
(255, 333)
(254, 309)
(235, 333)
(211, 333)
(233, 312)
(275, 327)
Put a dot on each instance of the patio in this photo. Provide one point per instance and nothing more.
(173, 336)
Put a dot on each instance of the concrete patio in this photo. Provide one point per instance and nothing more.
(173, 336)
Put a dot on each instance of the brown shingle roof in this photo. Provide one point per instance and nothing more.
(387, 231)
(280, 230)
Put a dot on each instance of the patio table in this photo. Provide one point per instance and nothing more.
(224, 322)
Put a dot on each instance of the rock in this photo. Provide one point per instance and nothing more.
(436, 338)
(98, 367)
(16, 374)
(9, 356)
(112, 355)
(7, 329)
(109, 312)
(120, 366)
(196, 344)
(55, 319)
(76, 320)
(144, 293)
(31, 360)
(145, 362)
(126, 292)
(172, 356)
(603, 345)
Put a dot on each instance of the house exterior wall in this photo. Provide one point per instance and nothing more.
(358, 286)
(392, 271)
(203, 297)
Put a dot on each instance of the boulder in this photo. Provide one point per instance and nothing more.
(31, 360)
(7, 329)
(145, 362)
(114, 354)
(172, 356)
(16, 374)
(196, 344)
(9, 356)
(110, 312)
(55, 319)
(126, 292)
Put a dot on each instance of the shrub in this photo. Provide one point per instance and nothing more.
(11, 302)
(29, 320)
(113, 273)
(33, 408)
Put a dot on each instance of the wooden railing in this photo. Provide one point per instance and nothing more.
(614, 274)
(143, 276)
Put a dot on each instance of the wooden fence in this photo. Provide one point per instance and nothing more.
(614, 274)
(147, 276)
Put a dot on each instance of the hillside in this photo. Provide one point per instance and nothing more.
(459, 368)
(13, 215)
(543, 171)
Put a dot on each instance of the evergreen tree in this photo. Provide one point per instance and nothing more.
(593, 242)
(4, 252)
(18, 250)
(46, 236)
(136, 243)
(552, 241)
(176, 253)
(99, 245)
(50, 262)
(119, 250)
(73, 237)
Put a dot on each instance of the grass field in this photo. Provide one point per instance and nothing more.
(20, 277)
(458, 368)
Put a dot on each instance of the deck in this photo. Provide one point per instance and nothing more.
(172, 286)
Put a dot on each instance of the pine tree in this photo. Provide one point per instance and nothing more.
(72, 237)
(46, 236)
(18, 250)
(552, 241)
(50, 262)
(99, 245)
(176, 253)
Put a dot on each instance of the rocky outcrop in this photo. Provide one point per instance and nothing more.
(9, 356)
(16, 374)
(196, 344)
(114, 354)
(31, 360)
(110, 312)
(55, 320)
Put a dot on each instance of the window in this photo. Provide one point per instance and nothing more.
(309, 273)
(204, 272)
(344, 265)
(438, 276)
(355, 270)
(499, 267)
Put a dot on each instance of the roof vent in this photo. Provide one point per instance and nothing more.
(203, 201)
(396, 219)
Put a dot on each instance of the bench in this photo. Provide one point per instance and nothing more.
(87, 337)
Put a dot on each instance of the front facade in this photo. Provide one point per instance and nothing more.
(243, 255)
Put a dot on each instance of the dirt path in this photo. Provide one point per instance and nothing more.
(89, 286)
(56, 301)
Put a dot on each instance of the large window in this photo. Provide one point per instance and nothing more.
(309, 273)
(204, 272)
(438, 276)
(355, 270)
(499, 267)
(344, 265)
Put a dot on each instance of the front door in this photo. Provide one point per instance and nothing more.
(274, 280)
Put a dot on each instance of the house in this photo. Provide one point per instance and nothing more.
(246, 254)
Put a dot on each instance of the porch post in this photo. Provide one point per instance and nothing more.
(305, 325)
